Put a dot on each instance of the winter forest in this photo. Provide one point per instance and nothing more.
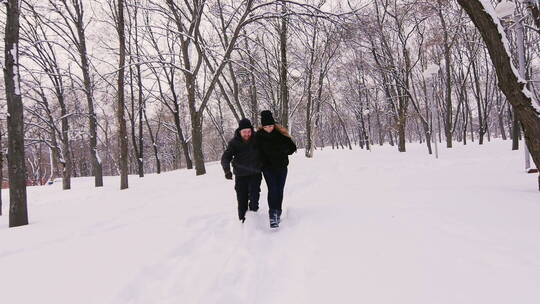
(137, 87)
(413, 131)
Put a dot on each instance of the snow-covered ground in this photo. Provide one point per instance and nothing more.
(358, 227)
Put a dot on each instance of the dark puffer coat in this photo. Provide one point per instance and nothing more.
(244, 156)
(275, 147)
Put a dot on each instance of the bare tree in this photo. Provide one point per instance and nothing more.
(121, 103)
(283, 67)
(134, 43)
(154, 139)
(514, 88)
(1, 164)
(18, 214)
(73, 31)
(168, 65)
(43, 52)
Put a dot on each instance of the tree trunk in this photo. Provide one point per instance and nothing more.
(379, 125)
(18, 213)
(516, 131)
(67, 162)
(142, 103)
(154, 144)
(54, 153)
(283, 68)
(253, 88)
(196, 117)
(122, 131)
(131, 115)
(196, 139)
(318, 125)
(401, 136)
(309, 102)
(500, 117)
(175, 111)
(448, 104)
(391, 137)
(1, 165)
(181, 138)
(364, 135)
(466, 112)
(88, 87)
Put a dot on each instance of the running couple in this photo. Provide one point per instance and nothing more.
(251, 153)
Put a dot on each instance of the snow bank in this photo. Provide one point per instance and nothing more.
(358, 227)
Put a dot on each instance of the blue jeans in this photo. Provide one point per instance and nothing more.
(275, 180)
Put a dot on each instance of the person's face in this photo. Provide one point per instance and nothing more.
(245, 134)
(269, 128)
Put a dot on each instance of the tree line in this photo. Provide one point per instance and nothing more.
(96, 88)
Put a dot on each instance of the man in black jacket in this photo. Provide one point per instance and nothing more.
(244, 156)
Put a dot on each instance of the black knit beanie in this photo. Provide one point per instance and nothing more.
(267, 118)
(244, 123)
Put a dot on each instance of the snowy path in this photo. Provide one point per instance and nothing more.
(359, 227)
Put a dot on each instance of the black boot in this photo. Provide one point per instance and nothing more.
(279, 217)
(274, 219)
(242, 215)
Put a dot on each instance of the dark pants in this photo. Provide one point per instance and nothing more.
(275, 180)
(248, 189)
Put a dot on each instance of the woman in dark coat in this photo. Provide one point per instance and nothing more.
(275, 145)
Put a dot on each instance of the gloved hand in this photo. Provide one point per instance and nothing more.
(228, 175)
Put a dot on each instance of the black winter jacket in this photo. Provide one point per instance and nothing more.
(244, 156)
(274, 148)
